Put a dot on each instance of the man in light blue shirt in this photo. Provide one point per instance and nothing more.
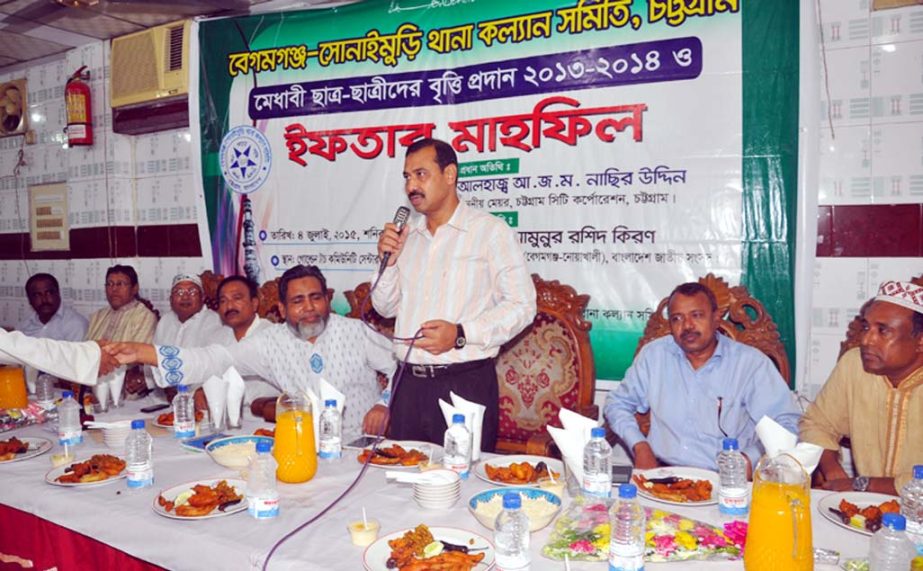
(52, 319)
(700, 387)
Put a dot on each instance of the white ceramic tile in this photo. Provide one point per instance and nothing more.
(86, 163)
(897, 163)
(845, 23)
(849, 80)
(901, 24)
(840, 287)
(824, 350)
(167, 199)
(845, 166)
(897, 82)
(883, 269)
(87, 202)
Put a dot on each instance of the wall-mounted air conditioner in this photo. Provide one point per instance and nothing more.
(149, 79)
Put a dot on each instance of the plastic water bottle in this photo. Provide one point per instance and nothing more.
(70, 431)
(262, 495)
(330, 427)
(44, 390)
(912, 507)
(183, 413)
(457, 445)
(626, 542)
(733, 496)
(891, 549)
(511, 535)
(138, 457)
(597, 465)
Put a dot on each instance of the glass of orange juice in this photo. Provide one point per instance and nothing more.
(294, 448)
(13, 388)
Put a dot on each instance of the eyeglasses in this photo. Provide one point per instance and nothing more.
(191, 292)
(117, 285)
(720, 405)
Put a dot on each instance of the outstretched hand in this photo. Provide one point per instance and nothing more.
(125, 352)
(107, 360)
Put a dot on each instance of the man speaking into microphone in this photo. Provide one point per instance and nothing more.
(457, 275)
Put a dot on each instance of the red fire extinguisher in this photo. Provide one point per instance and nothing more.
(79, 111)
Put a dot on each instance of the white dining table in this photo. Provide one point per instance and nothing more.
(126, 521)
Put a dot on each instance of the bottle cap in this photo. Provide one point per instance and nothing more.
(136, 424)
(330, 402)
(597, 432)
(730, 444)
(512, 501)
(918, 472)
(67, 395)
(894, 521)
(628, 491)
(182, 389)
(263, 446)
(458, 418)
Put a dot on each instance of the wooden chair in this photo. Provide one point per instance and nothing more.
(210, 283)
(854, 329)
(547, 366)
(357, 298)
(743, 319)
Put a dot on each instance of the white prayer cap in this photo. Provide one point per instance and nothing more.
(186, 278)
(905, 294)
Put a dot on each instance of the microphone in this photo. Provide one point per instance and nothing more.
(400, 218)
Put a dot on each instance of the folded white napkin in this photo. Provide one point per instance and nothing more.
(474, 419)
(572, 439)
(235, 394)
(101, 392)
(110, 385)
(777, 440)
(31, 376)
(327, 392)
(216, 391)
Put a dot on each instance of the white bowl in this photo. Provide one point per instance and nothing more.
(440, 505)
(238, 461)
(527, 494)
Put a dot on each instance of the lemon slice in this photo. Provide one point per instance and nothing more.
(432, 549)
(183, 497)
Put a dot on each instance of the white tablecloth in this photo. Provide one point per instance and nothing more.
(126, 521)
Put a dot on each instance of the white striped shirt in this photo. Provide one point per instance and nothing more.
(470, 272)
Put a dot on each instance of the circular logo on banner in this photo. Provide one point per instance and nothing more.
(245, 159)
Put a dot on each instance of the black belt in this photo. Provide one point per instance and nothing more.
(436, 371)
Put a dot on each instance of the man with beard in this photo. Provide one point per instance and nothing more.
(700, 387)
(52, 319)
(313, 343)
(238, 303)
(457, 276)
(872, 396)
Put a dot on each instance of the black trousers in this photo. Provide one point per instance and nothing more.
(415, 412)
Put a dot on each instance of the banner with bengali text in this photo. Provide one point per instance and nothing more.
(608, 134)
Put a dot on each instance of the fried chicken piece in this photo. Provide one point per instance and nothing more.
(848, 509)
(98, 468)
(394, 455)
(890, 507)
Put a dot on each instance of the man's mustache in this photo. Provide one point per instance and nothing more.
(415, 193)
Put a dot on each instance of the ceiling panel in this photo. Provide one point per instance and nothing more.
(20, 47)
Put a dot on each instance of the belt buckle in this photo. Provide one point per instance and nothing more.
(421, 371)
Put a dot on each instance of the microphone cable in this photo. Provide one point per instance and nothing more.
(378, 437)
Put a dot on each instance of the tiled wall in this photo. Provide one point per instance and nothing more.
(870, 219)
(142, 186)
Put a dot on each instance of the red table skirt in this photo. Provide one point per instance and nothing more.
(30, 542)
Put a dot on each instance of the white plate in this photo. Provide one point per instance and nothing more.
(861, 499)
(52, 475)
(376, 555)
(681, 472)
(240, 487)
(37, 447)
(434, 451)
(553, 464)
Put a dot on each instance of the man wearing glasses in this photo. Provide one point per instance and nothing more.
(700, 388)
(188, 323)
(126, 318)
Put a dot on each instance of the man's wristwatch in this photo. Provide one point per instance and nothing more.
(860, 484)
(460, 340)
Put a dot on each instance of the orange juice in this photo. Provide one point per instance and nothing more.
(13, 388)
(294, 447)
(779, 532)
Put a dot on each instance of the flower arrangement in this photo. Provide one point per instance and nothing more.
(582, 533)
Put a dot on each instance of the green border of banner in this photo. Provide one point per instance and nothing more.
(770, 159)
